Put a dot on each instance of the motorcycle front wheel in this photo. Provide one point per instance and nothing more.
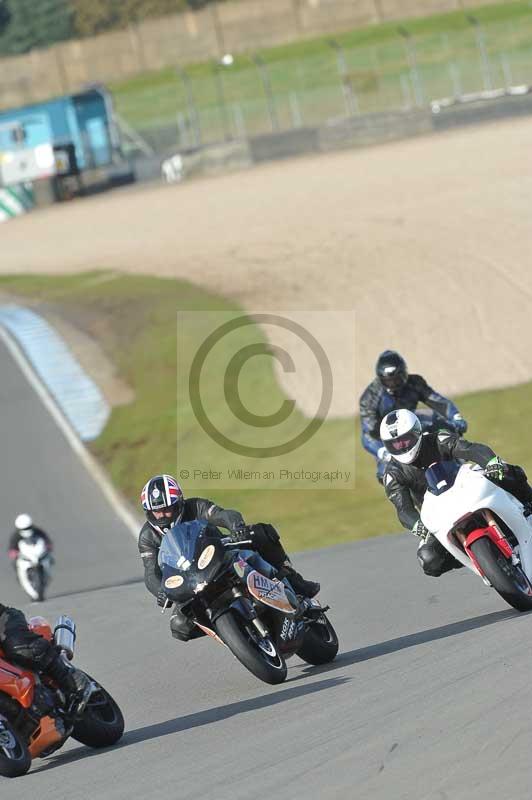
(15, 759)
(507, 579)
(259, 656)
(40, 583)
(102, 722)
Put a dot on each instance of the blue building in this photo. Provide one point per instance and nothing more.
(82, 124)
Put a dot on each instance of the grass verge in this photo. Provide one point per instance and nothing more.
(133, 318)
(310, 82)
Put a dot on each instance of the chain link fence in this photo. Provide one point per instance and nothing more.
(249, 96)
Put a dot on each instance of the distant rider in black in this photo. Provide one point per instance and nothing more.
(412, 452)
(165, 506)
(394, 388)
(25, 529)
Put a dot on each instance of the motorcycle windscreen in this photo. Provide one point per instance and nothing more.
(178, 546)
(441, 476)
(189, 559)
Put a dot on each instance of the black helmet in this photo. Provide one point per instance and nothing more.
(391, 371)
(162, 493)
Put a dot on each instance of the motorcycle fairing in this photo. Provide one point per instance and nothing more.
(209, 632)
(269, 592)
(32, 561)
(48, 737)
(16, 682)
(472, 492)
(189, 552)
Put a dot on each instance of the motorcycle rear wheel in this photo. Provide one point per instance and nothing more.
(507, 579)
(320, 644)
(102, 723)
(15, 759)
(268, 668)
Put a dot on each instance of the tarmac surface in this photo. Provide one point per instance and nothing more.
(429, 698)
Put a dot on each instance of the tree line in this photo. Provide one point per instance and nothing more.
(26, 24)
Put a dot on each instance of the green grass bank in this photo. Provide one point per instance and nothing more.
(134, 321)
(312, 80)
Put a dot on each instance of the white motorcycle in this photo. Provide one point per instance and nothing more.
(34, 566)
(483, 527)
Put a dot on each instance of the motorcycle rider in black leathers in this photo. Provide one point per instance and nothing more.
(165, 506)
(394, 388)
(25, 529)
(31, 651)
(412, 452)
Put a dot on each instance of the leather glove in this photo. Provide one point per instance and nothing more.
(162, 599)
(496, 469)
(459, 423)
(420, 530)
(383, 454)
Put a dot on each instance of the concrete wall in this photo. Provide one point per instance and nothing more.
(233, 26)
(368, 129)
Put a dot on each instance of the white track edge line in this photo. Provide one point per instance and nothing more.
(87, 459)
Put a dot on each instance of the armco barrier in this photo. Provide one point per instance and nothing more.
(14, 201)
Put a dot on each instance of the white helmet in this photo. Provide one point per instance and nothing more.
(24, 524)
(401, 435)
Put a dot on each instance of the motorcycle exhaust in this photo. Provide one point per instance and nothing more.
(65, 635)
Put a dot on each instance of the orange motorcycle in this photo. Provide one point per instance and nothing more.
(35, 716)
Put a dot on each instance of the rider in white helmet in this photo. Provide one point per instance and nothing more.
(25, 529)
(412, 452)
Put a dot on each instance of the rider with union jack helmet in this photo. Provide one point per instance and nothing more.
(165, 506)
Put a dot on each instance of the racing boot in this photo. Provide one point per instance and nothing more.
(298, 582)
(73, 682)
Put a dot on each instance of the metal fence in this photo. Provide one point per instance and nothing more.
(251, 95)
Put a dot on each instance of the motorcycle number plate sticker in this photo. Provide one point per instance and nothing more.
(174, 581)
(269, 592)
(206, 557)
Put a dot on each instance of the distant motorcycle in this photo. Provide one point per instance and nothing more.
(33, 566)
(483, 527)
(232, 595)
(35, 717)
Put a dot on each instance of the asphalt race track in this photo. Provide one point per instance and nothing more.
(429, 700)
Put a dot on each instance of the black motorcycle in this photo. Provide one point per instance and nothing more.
(232, 594)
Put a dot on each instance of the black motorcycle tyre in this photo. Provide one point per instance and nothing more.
(102, 722)
(19, 760)
(230, 628)
(508, 580)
